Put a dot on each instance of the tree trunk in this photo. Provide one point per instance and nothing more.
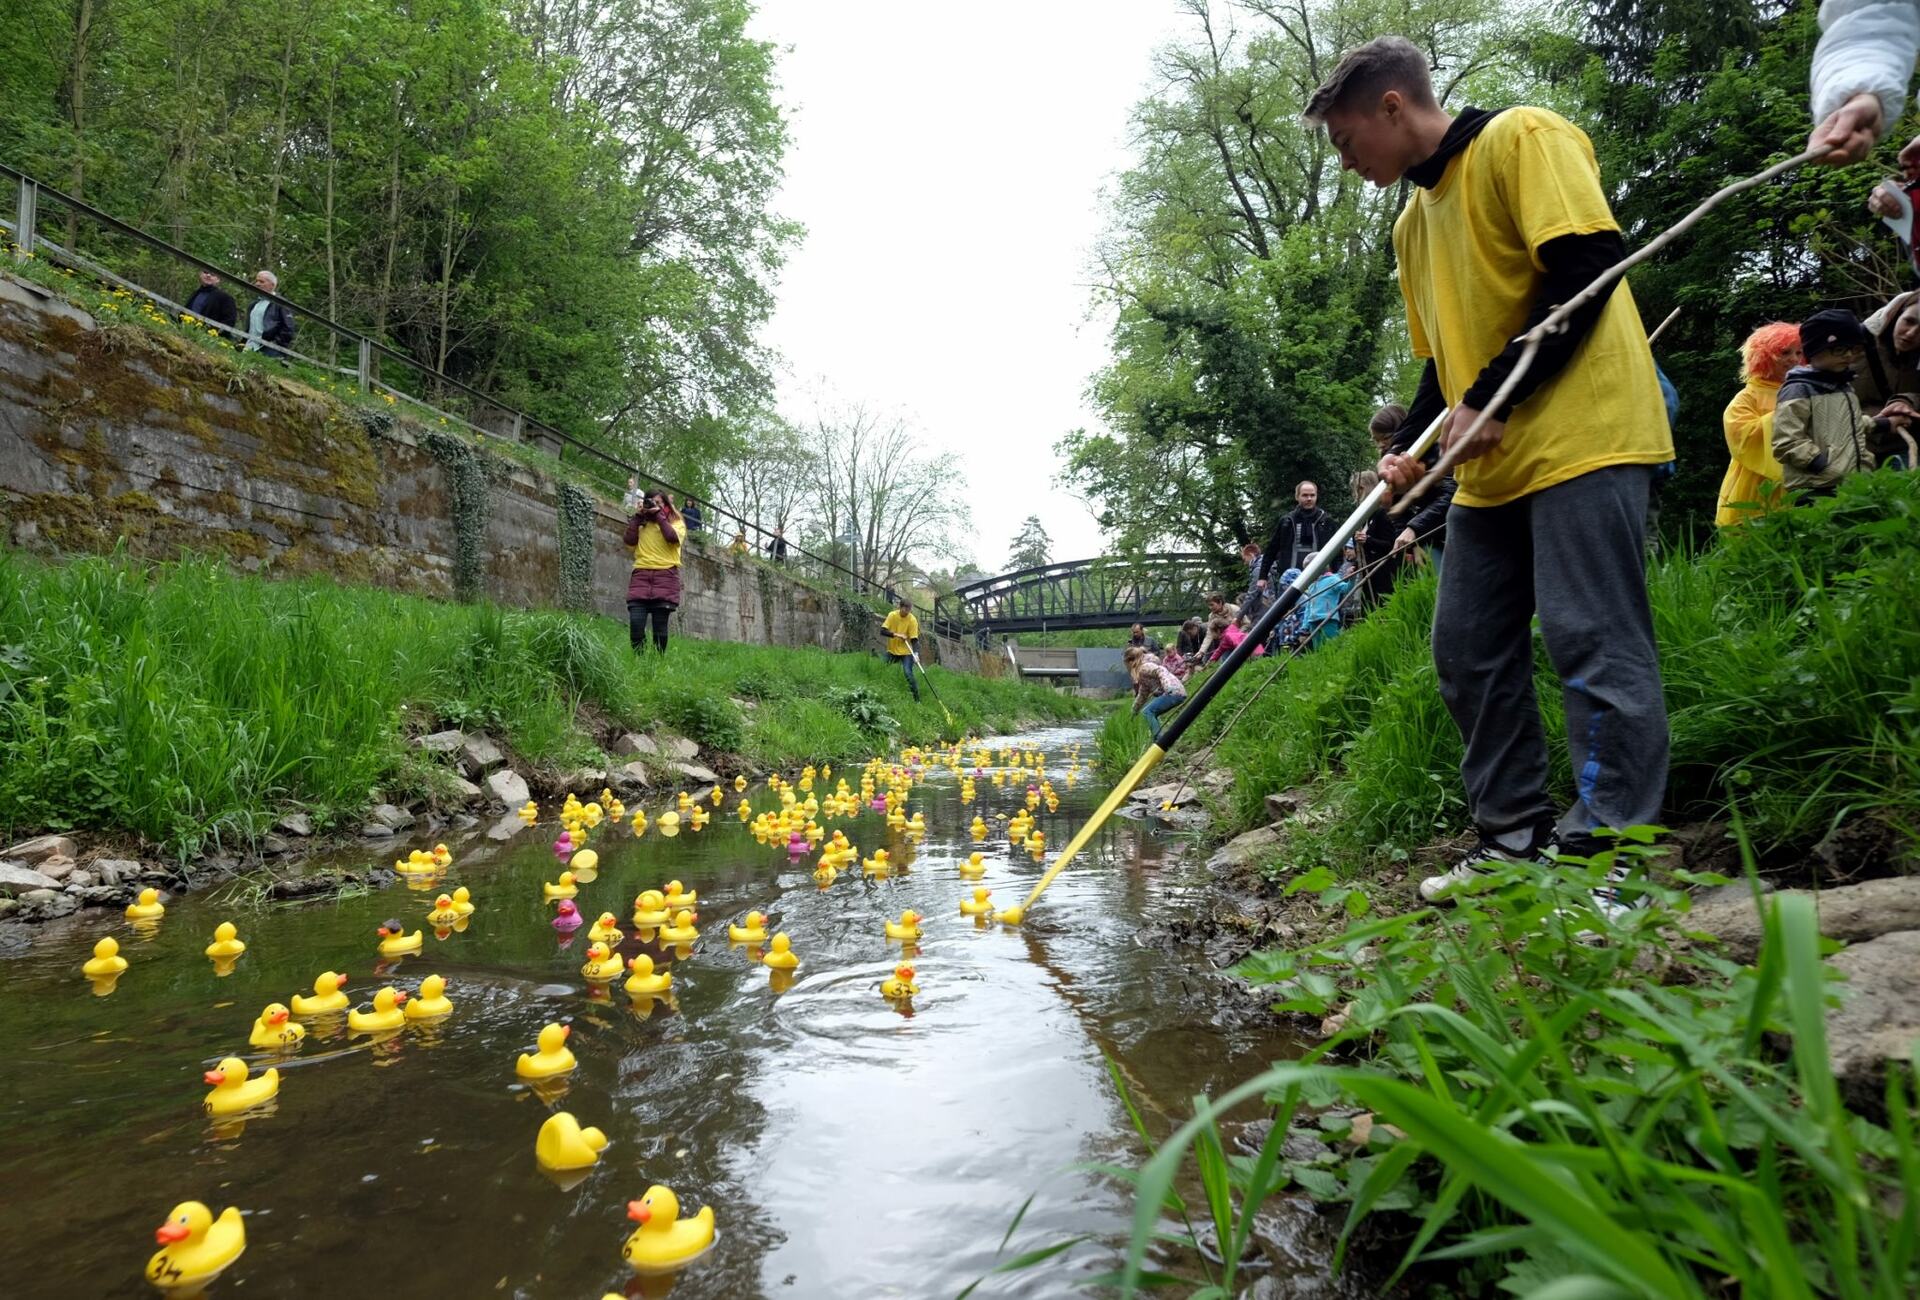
(85, 14)
(333, 283)
(279, 150)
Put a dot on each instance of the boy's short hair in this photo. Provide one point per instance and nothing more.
(1370, 71)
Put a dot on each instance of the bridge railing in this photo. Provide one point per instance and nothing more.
(1107, 592)
(382, 371)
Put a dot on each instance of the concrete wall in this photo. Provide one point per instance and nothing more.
(112, 435)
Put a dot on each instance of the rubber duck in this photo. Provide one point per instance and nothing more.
(664, 1241)
(430, 1003)
(740, 782)
(979, 828)
(901, 984)
(274, 1029)
(226, 942)
(147, 907)
(564, 888)
(677, 897)
(978, 904)
(444, 913)
(681, 931)
(233, 1091)
(563, 1144)
(974, 867)
(463, 901)
(754, 931)
(326, 996)
(1011, 916)
(908, 926)
(601, 965)
(698, 817)
(568, 918)
(781, 955)
(1037, 842)
(395, 941)
(650, 910)
(669, 818)
(386, 1013)
(530, 812)
(644, 981)
(553, 1056)
(442, 856)
(639, 822)
(583, 861)
(683, 800)
(606, 930)
(195, 1248)
(826, 873)
(563, 845)
(106, 961)
(878, 864)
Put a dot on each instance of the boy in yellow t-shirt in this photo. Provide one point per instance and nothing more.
(903, 629)
(1507, 220)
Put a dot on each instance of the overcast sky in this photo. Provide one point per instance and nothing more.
(947, 161)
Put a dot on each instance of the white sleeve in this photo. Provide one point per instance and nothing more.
(1866, 46)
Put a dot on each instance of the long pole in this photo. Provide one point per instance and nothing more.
(1196, 704)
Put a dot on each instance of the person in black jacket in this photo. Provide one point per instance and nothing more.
(1392, 430)
(210, 302)
(269, 324)
(1300, 532)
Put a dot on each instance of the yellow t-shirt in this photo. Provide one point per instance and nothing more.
(905, 627)
(1469, 269)
(653, 551)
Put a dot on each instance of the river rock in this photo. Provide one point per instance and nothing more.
(508, 788)
(507, 827)
(695, 772)
(1215, 778)
(115, 871)
(1850, 913)
(441, 742)
(391, 816)
(275, 846)
(1180, 819)
(636, 744)
(584, 780)
(466, 789)
(630, 777)
(296, 823)
(1179, 793)
(1282, 804)
(45, 904)
(679, 748)
(78, 879)
(18, 878)
(57, 867)
(376, 831)
(41, 847)
(1878, 1018)
(478, 754)
(1254, 849)
(8, 906)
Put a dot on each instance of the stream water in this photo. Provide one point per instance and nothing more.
(851, 1147)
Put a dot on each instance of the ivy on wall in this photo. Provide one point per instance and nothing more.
(577, 514)
(470, 501)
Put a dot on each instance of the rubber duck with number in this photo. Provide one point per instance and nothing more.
(900, 985)
(195, 1248)
(275, 1030)
(601, 967)
(907, 927)
(444, 913)
(233, 1091)
(606, 930)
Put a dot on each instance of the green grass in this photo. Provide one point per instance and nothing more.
(1790, 652)
(187, 703)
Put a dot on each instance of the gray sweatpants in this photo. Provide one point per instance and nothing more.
(1575, 554)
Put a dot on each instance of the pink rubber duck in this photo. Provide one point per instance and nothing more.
(563, 847)
(797, 845)
(569, 918)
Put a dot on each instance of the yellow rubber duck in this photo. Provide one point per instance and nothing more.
(664, 1241)
(442, 856)
(386, 1013)
(226, 942)
(908, 926)
(195, 1248)
(740, 782)
(901, 985)
(106, 962)
(681, 931)
(754, 931)
(878, 864)
(645, 982)
(678, 897)
(530, 812)
(233, 1091)
(650, 910)
(974, 867)
(979, 828)
(564, 888)
(698, 818)
(274, 1029)
(717, 797)
(553, 1056)
(563, 1144)
(147, 907)
(1037, 842)
(781, 955)
(463, 901)
(583, 861)
(978, 904)
(395, 941)
(326, 996)
(444, 913)
(601, 966)
(639, 822)
(606, 930)
(431, 1002)
(669, 822)
(826, 873)
(1011, 916)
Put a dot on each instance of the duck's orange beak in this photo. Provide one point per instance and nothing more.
(636, 1210)
(168, 1233)
(339, 982)
(384, 932)
(566, 1031)
(215, 1077)
(277, 1018)
(399, 999)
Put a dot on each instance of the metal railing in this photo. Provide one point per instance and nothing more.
(448, 392)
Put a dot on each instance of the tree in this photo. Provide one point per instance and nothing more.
(1031, 546)
(875, 487)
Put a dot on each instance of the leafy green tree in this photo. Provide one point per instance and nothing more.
(1031, 546)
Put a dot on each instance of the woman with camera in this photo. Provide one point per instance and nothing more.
(653, 592)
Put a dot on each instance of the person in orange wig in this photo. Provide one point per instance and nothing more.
(1752, 482)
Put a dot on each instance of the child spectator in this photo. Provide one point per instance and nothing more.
(1819, 433)
(1320, 609)
(1155, 690)
(1752, 481)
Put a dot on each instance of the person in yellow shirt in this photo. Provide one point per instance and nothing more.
(1506, 220)
(903, 629)
(1752, 482)
(653, 592)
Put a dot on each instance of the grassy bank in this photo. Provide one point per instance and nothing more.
(1790, 652)
(185, 702)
